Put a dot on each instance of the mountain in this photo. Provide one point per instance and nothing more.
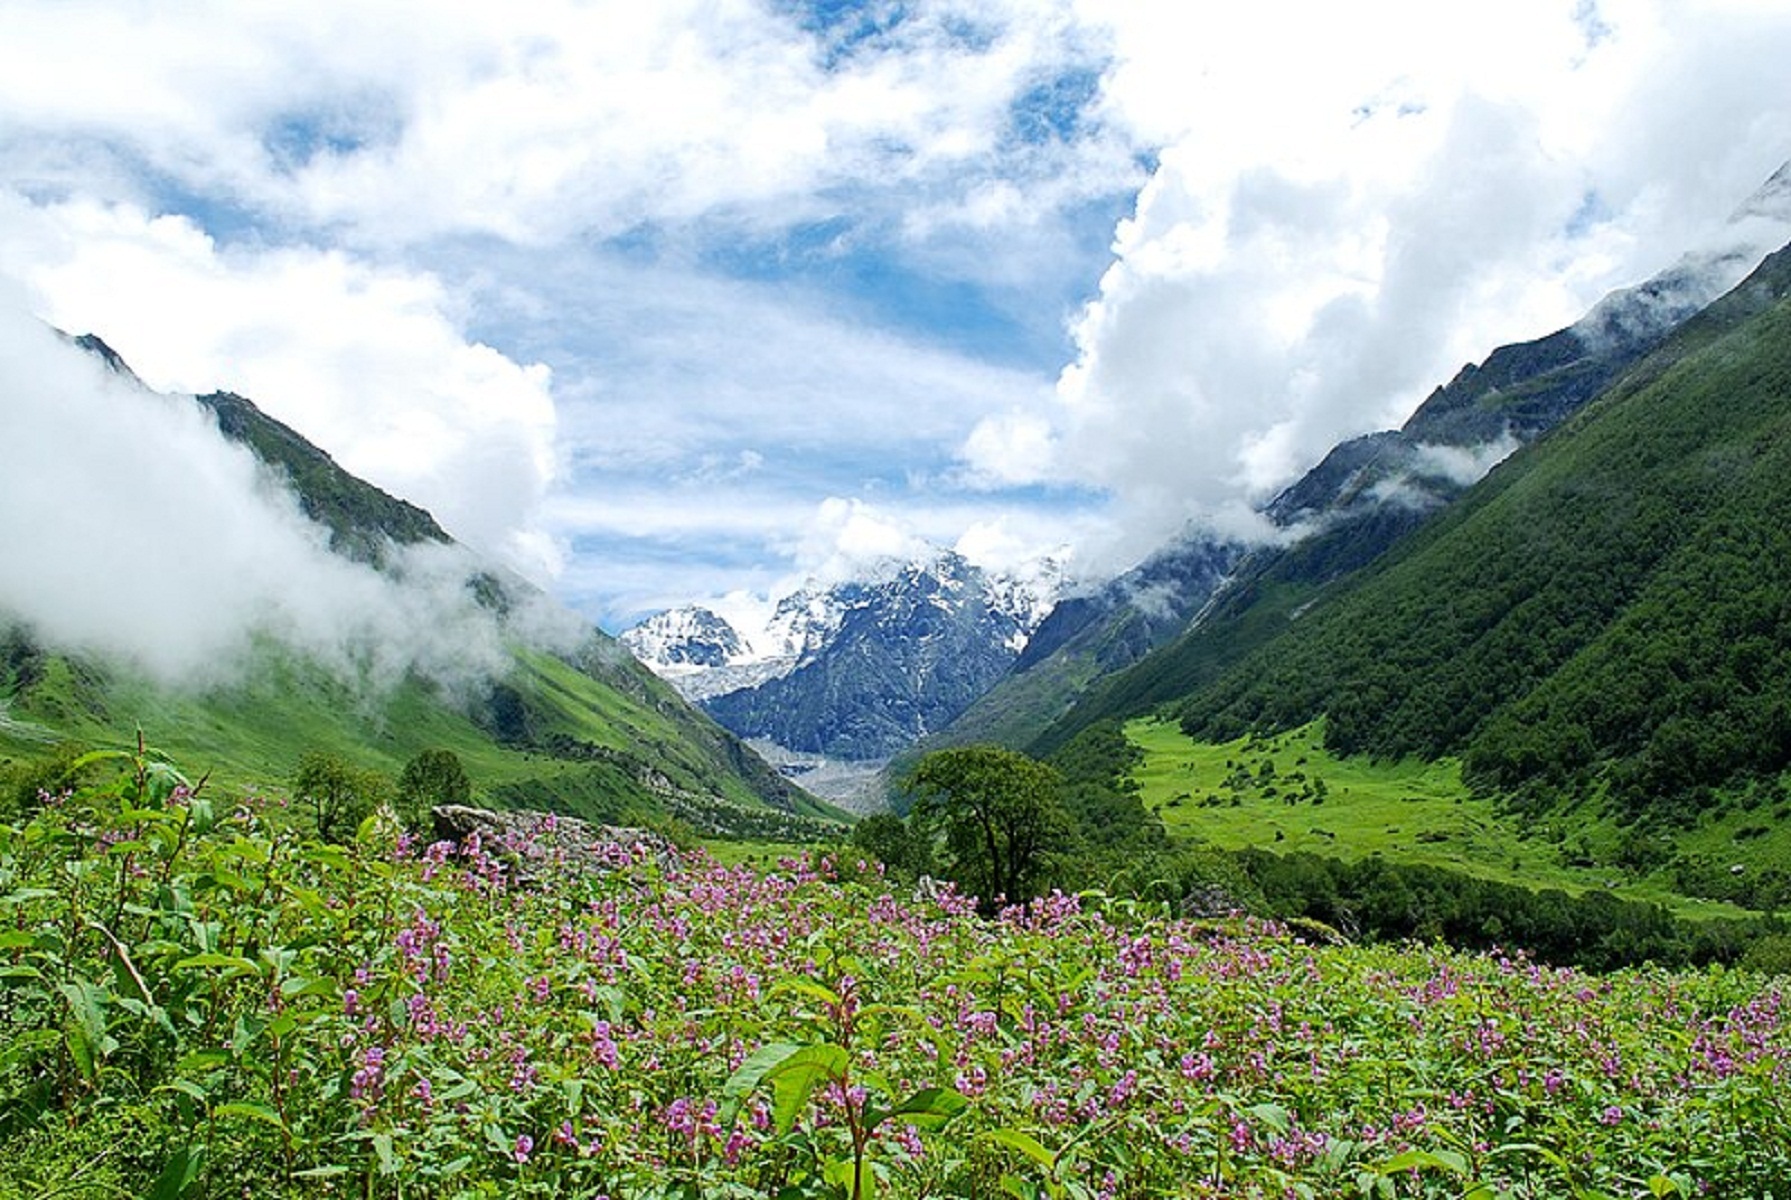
(704, 656)
(856, 670)
(1370, 492)
(1605, 616)
(570, 722)
(1093, 634)
(1602, 619)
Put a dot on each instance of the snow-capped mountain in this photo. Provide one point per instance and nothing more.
(685, 638)
(857, 669)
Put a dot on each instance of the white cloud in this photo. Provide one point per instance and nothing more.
(1352, 201)
(403, 120)
(369, 362)
(377, 219)
(1011, 448)
(848, 537)
(1464, 465)
(134, 530)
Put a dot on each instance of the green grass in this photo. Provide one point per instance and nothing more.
(1408, 811)
(620, 756)
(760, 855)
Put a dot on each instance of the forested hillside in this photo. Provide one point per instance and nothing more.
(1607, 610)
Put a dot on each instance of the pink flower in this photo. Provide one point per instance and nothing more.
(525, 1146)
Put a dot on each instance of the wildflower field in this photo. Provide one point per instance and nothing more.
(197, 1000)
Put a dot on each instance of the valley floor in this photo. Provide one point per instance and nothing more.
(1288, 794)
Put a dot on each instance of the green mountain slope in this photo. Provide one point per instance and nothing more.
(582, 728)
(1365, 496)
(1605, 613)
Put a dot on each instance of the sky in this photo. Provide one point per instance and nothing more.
(658, 303)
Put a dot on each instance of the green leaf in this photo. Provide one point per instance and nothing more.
(1023, 1143)
(204, 1060)
(80, 1048)
(839, 1172)
(388, 1161)
(794, 1079)
(301, 985)
(749, 1075)
(187, 1087)
(1020, 1189)
(1272, 1117)
(1660, 1185)
(930, 1108)
(327, 856)
(162, 779)
(179, 1173)
(234, 964)
(87, 1004)
(244, 1033)
(251, 1110)
(98, 756)
(1425, 1160)
(811, 989)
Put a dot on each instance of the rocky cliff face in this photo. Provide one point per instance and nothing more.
(858, 670)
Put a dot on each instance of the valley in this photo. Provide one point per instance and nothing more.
(1423, 831)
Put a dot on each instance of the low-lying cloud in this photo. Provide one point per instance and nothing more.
(369, 361)
(134, 531)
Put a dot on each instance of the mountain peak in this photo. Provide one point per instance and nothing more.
(1771, 202)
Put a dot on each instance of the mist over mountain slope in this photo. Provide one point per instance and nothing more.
(1371, 491)
(1602, 617)
(199, 569)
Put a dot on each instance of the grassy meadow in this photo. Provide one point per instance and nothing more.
(1288, 794)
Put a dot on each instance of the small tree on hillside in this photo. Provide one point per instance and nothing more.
(1000, 815)
(432, 778)
(337, 795)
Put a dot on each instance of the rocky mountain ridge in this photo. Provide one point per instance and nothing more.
(855, 669)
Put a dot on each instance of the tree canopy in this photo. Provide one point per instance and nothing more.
(1000, 816)
(432, 778)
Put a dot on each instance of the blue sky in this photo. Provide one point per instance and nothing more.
(662, 303)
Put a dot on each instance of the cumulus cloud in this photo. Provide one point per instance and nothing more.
(775, 253)
(572, 117)
(1338, 220)
(135, 531)
(369, 362)
(850, 537)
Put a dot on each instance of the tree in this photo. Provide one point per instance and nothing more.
(337, 794)
(902, 846)
(432, 778)
(1000, 814)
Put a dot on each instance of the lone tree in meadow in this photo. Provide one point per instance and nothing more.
(432, 778)
(337, 794)
(1000, 815)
